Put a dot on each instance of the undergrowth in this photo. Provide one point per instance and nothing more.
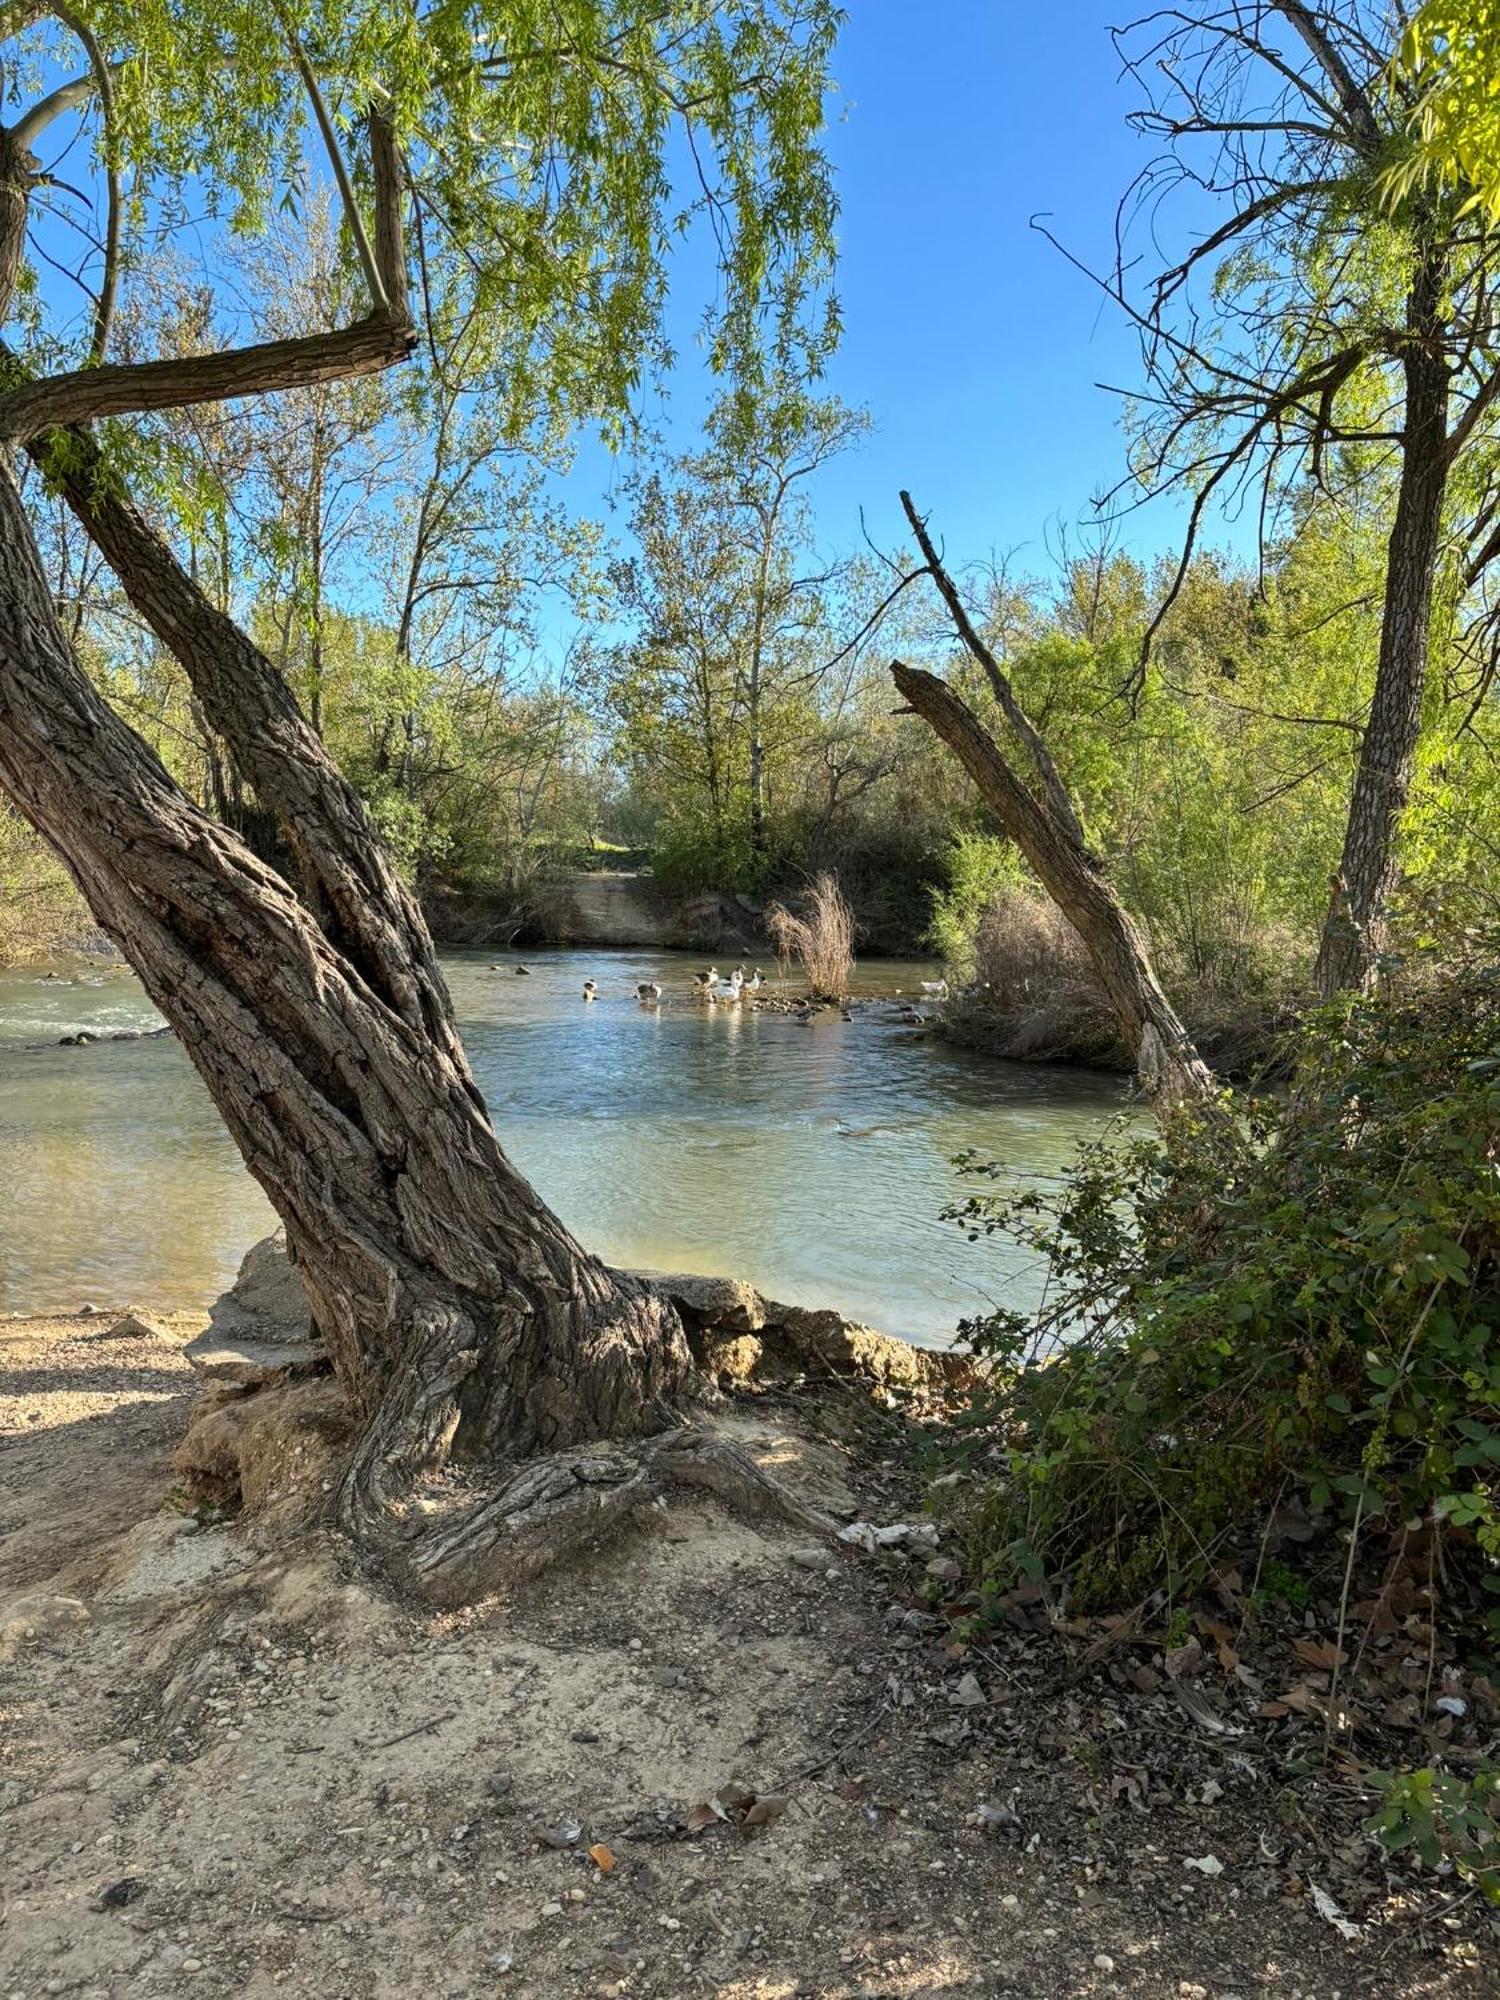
(1313, 1317)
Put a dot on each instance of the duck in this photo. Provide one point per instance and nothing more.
(935, 989)
(648, 993)
(590, 990)
(735, 984)
(523, 972)
(707, 982)
(755, 982)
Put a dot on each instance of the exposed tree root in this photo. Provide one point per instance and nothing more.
(554, 1507)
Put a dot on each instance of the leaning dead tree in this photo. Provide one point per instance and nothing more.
(465, 1323)
(1030, 799)
(1317, 335)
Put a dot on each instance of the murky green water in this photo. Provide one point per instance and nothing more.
(812, 1160)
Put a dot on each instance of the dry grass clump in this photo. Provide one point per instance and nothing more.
(821, 939)
(1031, 968)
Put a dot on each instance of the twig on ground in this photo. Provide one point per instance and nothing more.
(421, 1729)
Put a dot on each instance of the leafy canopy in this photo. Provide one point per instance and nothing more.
(1451, 52)
(555, 150)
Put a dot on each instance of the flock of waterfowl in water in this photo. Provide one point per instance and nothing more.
(713, 986)
(716, 989)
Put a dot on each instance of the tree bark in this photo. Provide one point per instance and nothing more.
(1171, 1071)
(1353, 933)
(462, 1318)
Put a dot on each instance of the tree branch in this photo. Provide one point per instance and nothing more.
(373, 276)
(104, 307)
(87, 393)
(1041, 757)
(385, 337)
(1353, 102)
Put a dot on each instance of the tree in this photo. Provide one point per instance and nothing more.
(1315, 334)
(719, 688)
(463, 1319)
(1035, 809)
(764, 458)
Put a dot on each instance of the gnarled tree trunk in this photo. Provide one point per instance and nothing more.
(462, 1317)
(463, 1320)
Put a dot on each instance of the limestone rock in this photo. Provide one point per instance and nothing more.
(132, 1326)
(731, 1363)
(822, 1339)
(712, 1302)
(261, 1327)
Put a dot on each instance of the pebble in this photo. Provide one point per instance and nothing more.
(1103, 1962)
(552, 1909)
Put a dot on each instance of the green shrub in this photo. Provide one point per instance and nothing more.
(978, 868)
(1317, 1315)
(1443, 1817)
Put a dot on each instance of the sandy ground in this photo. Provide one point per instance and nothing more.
(230, 1768)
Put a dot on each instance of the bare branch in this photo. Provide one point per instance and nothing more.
(1353, 101)
(371, 268)
(1041, 757)
(104, 307)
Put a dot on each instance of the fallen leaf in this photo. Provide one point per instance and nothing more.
(990, 1815)
(1183, 1661)
(1201, 1710)
(767, 1810)
(1320, 1653)
(968, 1693)
(567, 1833)
(602, 1857)
(708, 1812)
(1206, 1864)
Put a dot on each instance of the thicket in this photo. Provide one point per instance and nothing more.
(1313, 1319)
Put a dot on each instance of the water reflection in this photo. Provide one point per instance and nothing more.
(813, 1160)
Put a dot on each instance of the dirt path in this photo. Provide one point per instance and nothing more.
(235, 1769)
(614, 907)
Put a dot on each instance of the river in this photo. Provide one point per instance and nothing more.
(812, 1160)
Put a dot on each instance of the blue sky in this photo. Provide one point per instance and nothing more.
(970, 339)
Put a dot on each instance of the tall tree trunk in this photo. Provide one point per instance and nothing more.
(462, 1317)
(1353, 931)
(1171, 1071)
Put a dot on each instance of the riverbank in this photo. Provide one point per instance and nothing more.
(1242, 1038)
(709, 1760)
